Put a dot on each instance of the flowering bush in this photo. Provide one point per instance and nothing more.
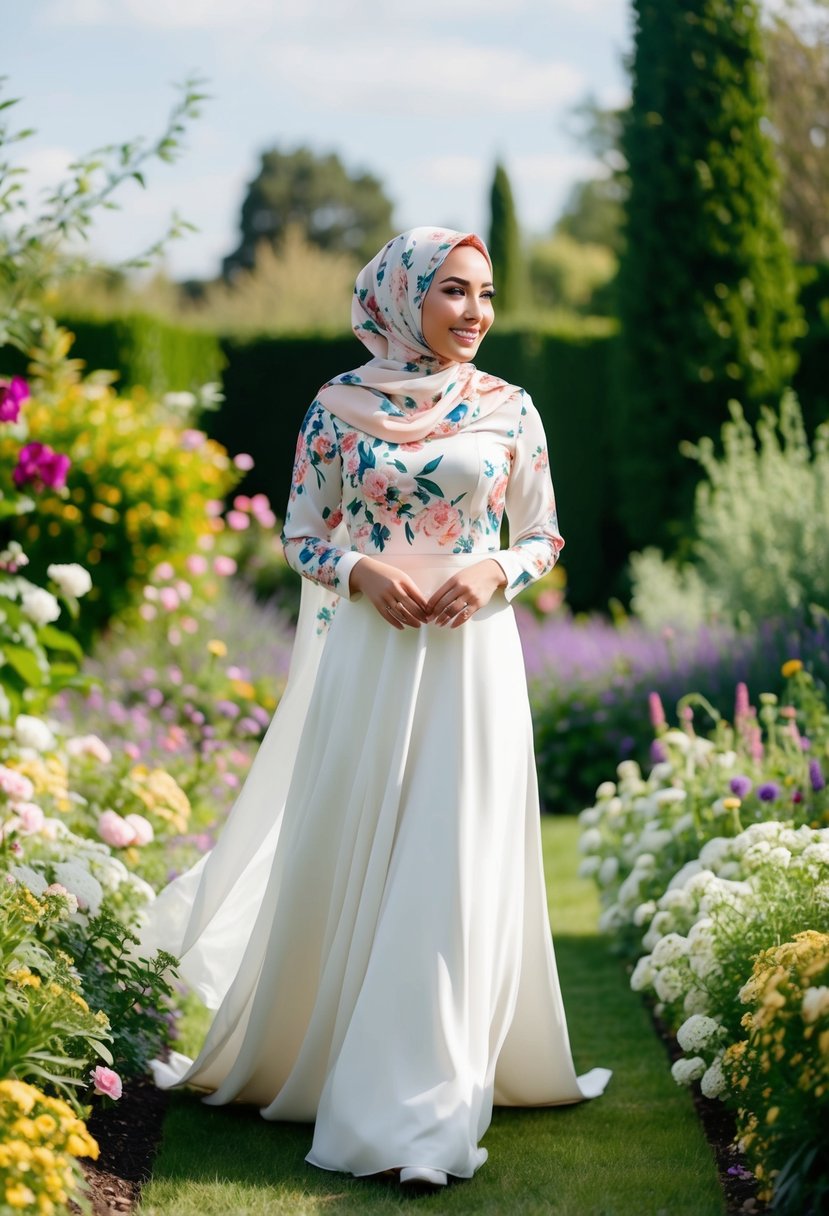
(589, 685)
(708, 863)
(40, 1141)
(780, 1069)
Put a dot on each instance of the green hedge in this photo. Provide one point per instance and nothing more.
(143, 350)
(270, 382)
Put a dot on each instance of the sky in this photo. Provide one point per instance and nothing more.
(424, 96)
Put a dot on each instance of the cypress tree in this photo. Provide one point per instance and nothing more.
(707, 292)
(505, 243)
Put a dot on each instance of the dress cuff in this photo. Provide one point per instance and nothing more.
(515, 571)
(344, 567)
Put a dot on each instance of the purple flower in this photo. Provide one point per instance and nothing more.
(741, 703)
(768, 791)
(818, 781)
(658, 753)
(740, 786)
(12, 396)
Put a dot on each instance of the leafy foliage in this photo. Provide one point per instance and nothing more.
(706, 289)
(505, 243)
(335, 209)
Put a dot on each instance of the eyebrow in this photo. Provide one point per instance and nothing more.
(453, 278)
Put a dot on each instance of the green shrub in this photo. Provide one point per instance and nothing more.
(761, 548)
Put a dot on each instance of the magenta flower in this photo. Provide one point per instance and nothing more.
(656, 711)
(12, 396)
(238, 521)
(742, 707)
(38, 464)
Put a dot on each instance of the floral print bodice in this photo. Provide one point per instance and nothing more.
(354, 495)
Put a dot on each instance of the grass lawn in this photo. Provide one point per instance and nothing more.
(636, 1151)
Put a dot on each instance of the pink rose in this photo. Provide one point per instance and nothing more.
(441, 520)
(15, 786)
(107, 1083)
(89, 745)
(142, 829)
(115, 831)
(375, 485)
(349, 441)
(30, 817)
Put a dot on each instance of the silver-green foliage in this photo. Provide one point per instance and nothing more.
(761, 546)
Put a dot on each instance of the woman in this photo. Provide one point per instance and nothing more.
(372, 923)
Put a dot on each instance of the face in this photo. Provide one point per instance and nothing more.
(457, 310)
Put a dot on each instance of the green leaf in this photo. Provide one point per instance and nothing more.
(58, 639)
(24, 663)
(431, 486)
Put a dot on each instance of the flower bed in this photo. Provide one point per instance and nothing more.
(714, 876)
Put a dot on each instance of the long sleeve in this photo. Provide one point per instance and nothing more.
(535, 541)
(315, 506)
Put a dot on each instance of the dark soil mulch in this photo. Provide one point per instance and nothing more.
(128, 1133)
(719, 1125)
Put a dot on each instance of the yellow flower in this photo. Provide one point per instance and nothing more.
(217, 647)
(46, 1125)
(19, 1196)
(731, 804)
(243, 688)
(24, 978)
(790, 668)
(772, 1113)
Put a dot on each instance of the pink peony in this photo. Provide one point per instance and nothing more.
(107, 1083)
(142, 829)
(237, 520)
(196, 564)
(241, 502)
(115, 831)
(169, 599)
(375, 485)
(15, 786)
(243, 461)
(164, 570)
(12, 395)
(30, 816)
(224, 565)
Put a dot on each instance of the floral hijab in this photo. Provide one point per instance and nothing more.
(406, 393)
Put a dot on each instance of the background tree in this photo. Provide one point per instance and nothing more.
(332, 208)
(505, 243)
(706, 286)
(797, 42)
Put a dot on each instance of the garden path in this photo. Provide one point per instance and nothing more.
(637, 1151)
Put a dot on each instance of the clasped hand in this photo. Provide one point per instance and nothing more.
(400, 601)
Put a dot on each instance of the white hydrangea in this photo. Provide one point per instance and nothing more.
(590, 816)
(780, 856)
(727, 759)
(696, 1000)
(668, 984)
(72, 579)
(653, 840)
(698, 883)
(607, 789)
(817, 852)
(678, 739)
(715, 851)
(676, 900)
(697, 1032)
(590, 841)
(83, 885)
(644, 913)
(815, 1003)
(630, 887)
(628, 770)
(669, 949)
(611, 919)
(645, 862)
(642, 976)
(33, 732)
(685, 823)
(661, 771)
(39, 605)
(589, 865)
(673, 793)
(713, 1082)
(608, 870)
(685, 1071)
(30, 878)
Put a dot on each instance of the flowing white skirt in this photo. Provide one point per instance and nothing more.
(384, 956)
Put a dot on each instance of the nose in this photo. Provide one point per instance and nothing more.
(474, 308)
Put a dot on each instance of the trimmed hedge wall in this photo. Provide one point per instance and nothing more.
(270, 382)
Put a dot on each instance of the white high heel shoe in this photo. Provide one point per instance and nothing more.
(418, 1176)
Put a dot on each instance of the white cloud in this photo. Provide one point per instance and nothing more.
(453, 79)
(166, 14)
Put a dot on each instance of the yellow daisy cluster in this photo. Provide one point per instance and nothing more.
(40, 1139)
(781, 1068)
(48, 774)
(162, 796)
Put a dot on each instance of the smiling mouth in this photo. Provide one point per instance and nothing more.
(466, 335)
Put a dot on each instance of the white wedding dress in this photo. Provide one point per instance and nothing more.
(372, 923)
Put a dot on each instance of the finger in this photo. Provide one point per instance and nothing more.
(388, 614)
(462, 617)
(457, 611)
(406, 611)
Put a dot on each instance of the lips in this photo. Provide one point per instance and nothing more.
(468, 336)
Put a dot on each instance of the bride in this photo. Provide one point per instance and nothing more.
(372, 925)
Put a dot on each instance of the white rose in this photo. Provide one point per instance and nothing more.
(40, 605)
(33, 732)
(72, 579)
